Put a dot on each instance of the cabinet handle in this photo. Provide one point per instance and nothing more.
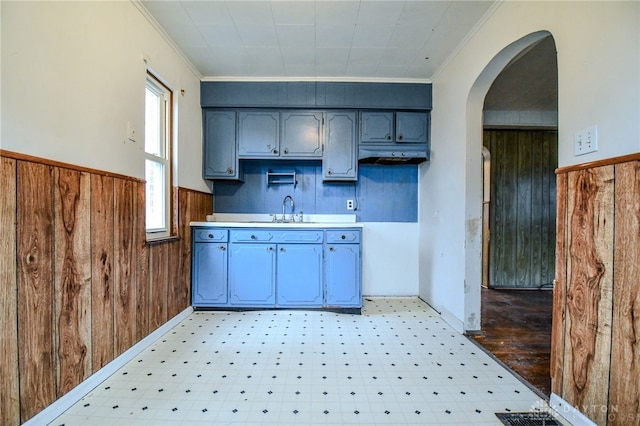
(230, 171)
(286, 150)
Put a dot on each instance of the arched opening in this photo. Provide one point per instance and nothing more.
(510, 123)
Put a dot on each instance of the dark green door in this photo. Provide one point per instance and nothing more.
(522, 218)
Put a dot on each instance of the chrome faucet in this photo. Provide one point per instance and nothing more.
(284, 202)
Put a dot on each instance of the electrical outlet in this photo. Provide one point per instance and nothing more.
(586, 140)
(350, 205)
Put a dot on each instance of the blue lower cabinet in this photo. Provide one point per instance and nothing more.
(245, 267)
(252, 274)
(209, 269)
(342, 278)
(299, 275)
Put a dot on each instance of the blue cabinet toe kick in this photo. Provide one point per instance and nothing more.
(336, 309)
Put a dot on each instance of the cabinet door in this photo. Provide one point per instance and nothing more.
(411, 127)
(301, 134)
(343, 269)
(340, 161)
(299, 275)
(376, 127)
(252, 274)
(258, 134)
(209, 280)
(219, 145)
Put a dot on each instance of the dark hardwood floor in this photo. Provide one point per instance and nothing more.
(516, 328)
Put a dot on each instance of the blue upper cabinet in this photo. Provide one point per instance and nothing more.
(280, 134)
(258, 134)
(412, 127)
(376, 127)
(340, 161)
(387, 127)
(219, 146)
(301, 134)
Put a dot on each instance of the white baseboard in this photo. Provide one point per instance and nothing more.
(453, 321)
(63, 403)
(569, 412)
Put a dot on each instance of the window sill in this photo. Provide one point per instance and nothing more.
(164, 239)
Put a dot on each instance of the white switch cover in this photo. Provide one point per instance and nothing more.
(131, 132)
(586, 140)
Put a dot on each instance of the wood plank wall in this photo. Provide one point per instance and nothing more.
(596, 332)
(522, 207)
(79, 283)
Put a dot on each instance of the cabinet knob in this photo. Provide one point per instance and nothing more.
(281, 248)
(210, 235)
(286, 150)
(330, 172)
(331, 249)
(230, 171)
(399, 137)
(270, 248)
(253, 237)
(388, 137)
(222, 248)
(275, 151)
(343, 237)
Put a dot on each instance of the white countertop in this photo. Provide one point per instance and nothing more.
(250, 220)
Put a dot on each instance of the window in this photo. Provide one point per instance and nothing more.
(157, 147)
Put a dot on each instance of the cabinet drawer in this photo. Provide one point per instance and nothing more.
(300, 237)
(210, 235)
(343, 236)
(276, 236)
(252, 236)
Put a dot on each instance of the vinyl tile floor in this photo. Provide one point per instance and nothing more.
(397, 363)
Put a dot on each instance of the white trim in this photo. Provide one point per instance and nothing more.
(143, 10)
(569, 412)
(452, 320)
(468, 37)
(66, 401)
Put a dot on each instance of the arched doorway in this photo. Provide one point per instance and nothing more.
(520, 128)
(520, 139)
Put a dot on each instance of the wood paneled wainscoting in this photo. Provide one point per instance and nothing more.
(595, 364)
(79, 283)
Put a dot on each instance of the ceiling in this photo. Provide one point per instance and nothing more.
(347, 40)
(354, 40)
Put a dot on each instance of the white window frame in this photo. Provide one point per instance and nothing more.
(162, 155)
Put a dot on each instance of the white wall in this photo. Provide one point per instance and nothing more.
(598, 45)
(390, 259)
(73, 77)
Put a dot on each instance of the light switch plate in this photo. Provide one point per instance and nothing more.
(586, 140)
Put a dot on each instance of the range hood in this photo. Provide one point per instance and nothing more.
(372, 155)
